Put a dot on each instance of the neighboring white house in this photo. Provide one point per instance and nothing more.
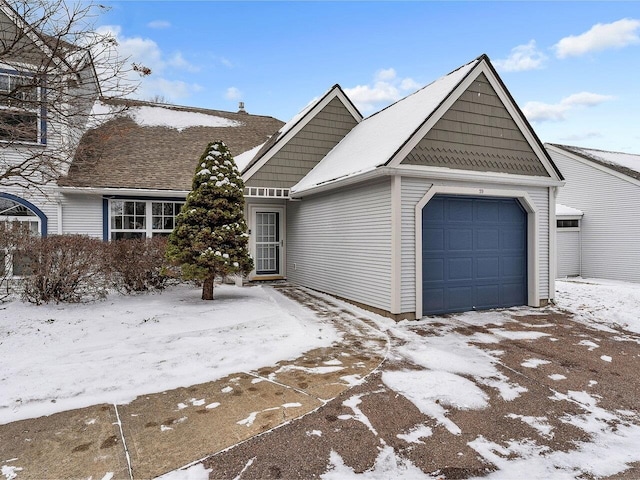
(568, 241)
(47, 89)
(605, 187)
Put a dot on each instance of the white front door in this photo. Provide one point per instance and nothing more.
(268, 241)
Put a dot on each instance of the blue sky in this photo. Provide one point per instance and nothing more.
(570, 66)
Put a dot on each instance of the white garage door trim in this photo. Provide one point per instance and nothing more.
(533, 275)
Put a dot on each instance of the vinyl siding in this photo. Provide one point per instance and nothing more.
(340, 243)
(44, 200)
(477, 133)
(568, 253)
(82, 215)
(611, 224)
(413, 189)
(295, 159)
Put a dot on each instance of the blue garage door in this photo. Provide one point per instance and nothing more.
(474, 254)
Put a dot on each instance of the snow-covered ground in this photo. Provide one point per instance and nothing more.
(58, 357)
(115, 350)
(601, 302)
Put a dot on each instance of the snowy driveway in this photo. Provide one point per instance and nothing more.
(519, 393)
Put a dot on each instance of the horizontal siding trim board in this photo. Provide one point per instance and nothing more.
(431, 173)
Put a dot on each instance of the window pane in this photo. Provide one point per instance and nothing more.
(157, 223)
(156, 208)
(126, 235)
(129, 208)
(21, 264)
(140, 208)
(116, 207)
(178, 207)
(168, 209)
(168, 223)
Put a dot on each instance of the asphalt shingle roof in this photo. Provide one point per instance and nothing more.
(121, 153)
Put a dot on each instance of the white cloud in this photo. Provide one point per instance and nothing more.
(541, 112)
(159, 24)
(385, 89)
(233, 93)
(522, 58)
(146, 52)
(601, 36)
(578, 137)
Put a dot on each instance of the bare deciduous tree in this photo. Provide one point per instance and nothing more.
(53, 67)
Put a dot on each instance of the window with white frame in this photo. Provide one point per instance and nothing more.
(12, 263)
(20, 108)
(142, 218)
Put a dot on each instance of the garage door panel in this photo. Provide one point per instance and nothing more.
(487, 296)
(459, 298)
(434, 299)
(459, 210)
(487, 239)
(511, 212)
(474, 254)
(487, 211)
(459, 239)
(433, 239)
(512, 294)
(488, 268)
(512, 266)
(433, 270)
(435, 212)
(460, 269)
(512, 239)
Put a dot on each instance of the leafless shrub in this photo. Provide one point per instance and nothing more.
(137, 265)
(64, 268)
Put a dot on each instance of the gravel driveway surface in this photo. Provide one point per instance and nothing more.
(519, 393)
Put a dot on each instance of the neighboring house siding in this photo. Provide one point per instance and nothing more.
(289, 165)
(413, 189)
(477, 133)
(568, 253)
(44, 200)
(340, 243)
(82, 215)
(610, 227)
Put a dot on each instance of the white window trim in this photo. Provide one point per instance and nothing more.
(37, 110)
(146, 232)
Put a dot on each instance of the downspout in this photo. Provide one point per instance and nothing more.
(553, 191)
(59, 205)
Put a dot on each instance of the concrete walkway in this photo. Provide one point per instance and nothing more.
(161, 432)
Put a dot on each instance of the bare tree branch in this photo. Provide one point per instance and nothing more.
(54, 65)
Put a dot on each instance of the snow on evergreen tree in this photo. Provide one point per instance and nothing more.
(210, 236)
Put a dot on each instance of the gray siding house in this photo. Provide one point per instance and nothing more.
(442, 202)
(605, 187)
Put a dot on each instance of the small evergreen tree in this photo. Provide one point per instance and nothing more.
(210, 235)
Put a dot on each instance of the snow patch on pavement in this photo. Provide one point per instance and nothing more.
(194, 472)
(415, 434)
(388, 465)
(108, 352)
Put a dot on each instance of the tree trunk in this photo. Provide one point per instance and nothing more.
(207, 289)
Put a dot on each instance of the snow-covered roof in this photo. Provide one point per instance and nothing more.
(564, 211)
(163, 141)
(245, 158)
(376, 139)
(626, 163)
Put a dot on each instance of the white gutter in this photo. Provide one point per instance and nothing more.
(134, 192)
(432, 173)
